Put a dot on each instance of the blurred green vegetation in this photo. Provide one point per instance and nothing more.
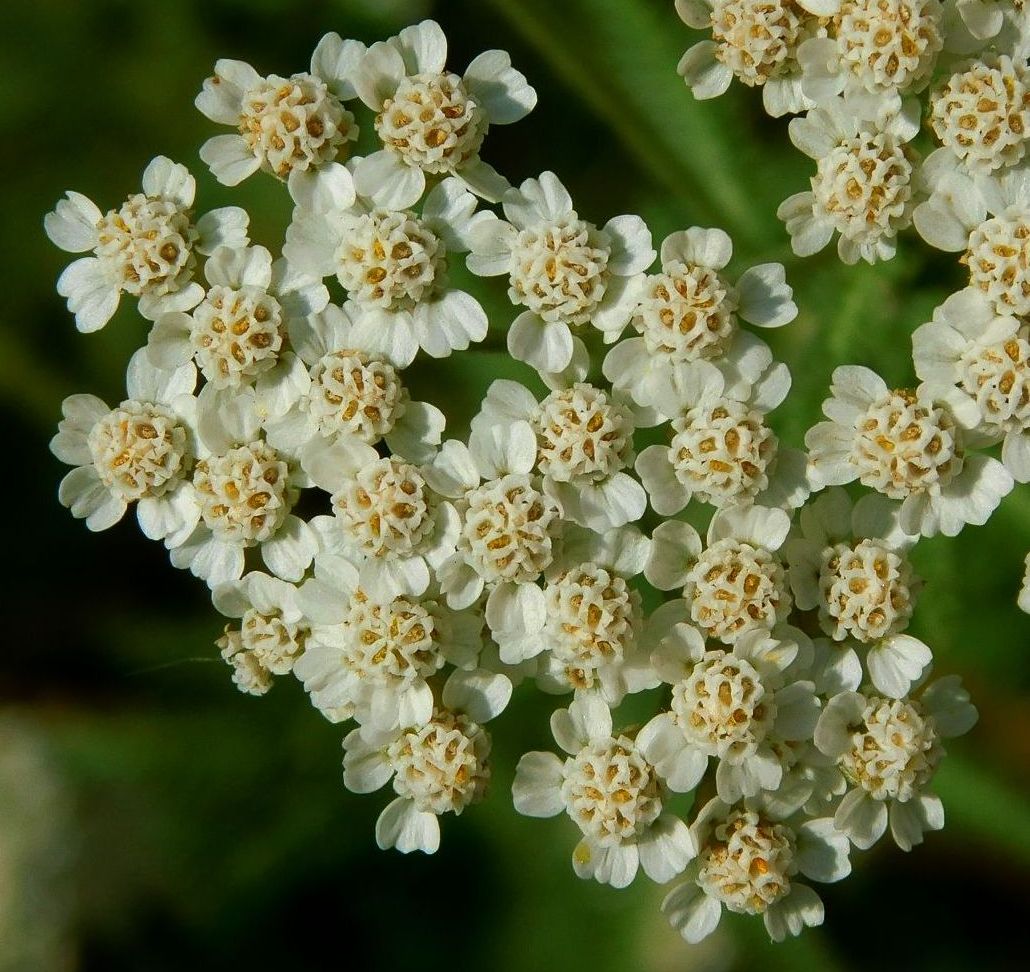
(150, 816)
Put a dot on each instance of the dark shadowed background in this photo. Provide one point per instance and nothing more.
(151, 817)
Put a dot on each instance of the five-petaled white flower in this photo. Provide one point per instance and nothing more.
(722, 450)
(145, 248)
(910, 445)
(391, 261)
(564, 270)
(612, 793)
(863, 185)
(369, 658)
(441, 766)
(889, 750)
(733, 705)
(852, 564)
(432, 122)
(140, 452)
(689, 312)
(584, 443)
(748, 863)
(283, 124)
(756, 41)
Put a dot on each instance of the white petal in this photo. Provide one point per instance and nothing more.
(169, 180)
(801, 909)
(666, 848)
(423, 47)
(823, 851)
(92, 298)
(948, 702)
(587, 719)
(336, 61)
(832, 733)
(227, 226)
(691, 912)
(705, 75)
(667, 494)
(378, 74)
(291, 550)
(544, 199)
(896, 662)
(480, 694)
(407, 828)
(536, 791)
(72, 225)
(631, 250)
(229, 158)
(503, 92)
(450, 322)
(388, 181)
(766, 299)
(517, 609)
(862, 818)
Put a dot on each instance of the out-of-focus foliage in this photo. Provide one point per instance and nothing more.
(151, 817)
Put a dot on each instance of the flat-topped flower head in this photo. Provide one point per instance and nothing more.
(431, 121)
(863, 186)
(611, 792)
(722, 450)
(876, 46)
(734, 706)
(690, 311)
(889, 750)
(564, 270)
(146, 248)
(352, 391)
(737, 582)
(243, 491)
(907, 444)
(369, 658)
(391, 260)
(440, 766)
(981, 113)
(851, 563)
(140, 452)
(756, 42)
(985, 358)
(750, 862)
(987, 220)
(584, 441)
(237, 333)
(271, 633)
(283, 124)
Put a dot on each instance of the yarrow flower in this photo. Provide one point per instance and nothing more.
(851, 563)
(431, 121)
(863, 186)
(145, 248)
(438, 767)
(564, 270)
(391, 261)
(689, 312)
(889, 750)
(756, 42)
(748, 863)
(612, 793)
(909, 444)
(283, 124)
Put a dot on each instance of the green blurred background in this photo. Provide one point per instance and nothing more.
(151, 818)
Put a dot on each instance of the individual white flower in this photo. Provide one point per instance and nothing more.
(748, 863)
(508, 527)
(1024, 591)
(737, 582)
(369, 658)
(433, 122)
(145, 248)
(564, 270)
(244, 491)
(852, 564)
(910, 445)
(386, 518)
(733, 705)
(689, 312)
(889, 750)
(986, 357)
(352, 390)
(588, 637)
(584, 442)
(756, 42)
(981, 113)
(722, 450)
(441, 766)
(862, 188)
(612, 793)
(140, 452)
(878, 46)
(391, 261)
(271, 634)
(238, 333)
(988, 221)
(283, 124)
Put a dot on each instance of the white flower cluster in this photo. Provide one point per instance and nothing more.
(410, 582)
